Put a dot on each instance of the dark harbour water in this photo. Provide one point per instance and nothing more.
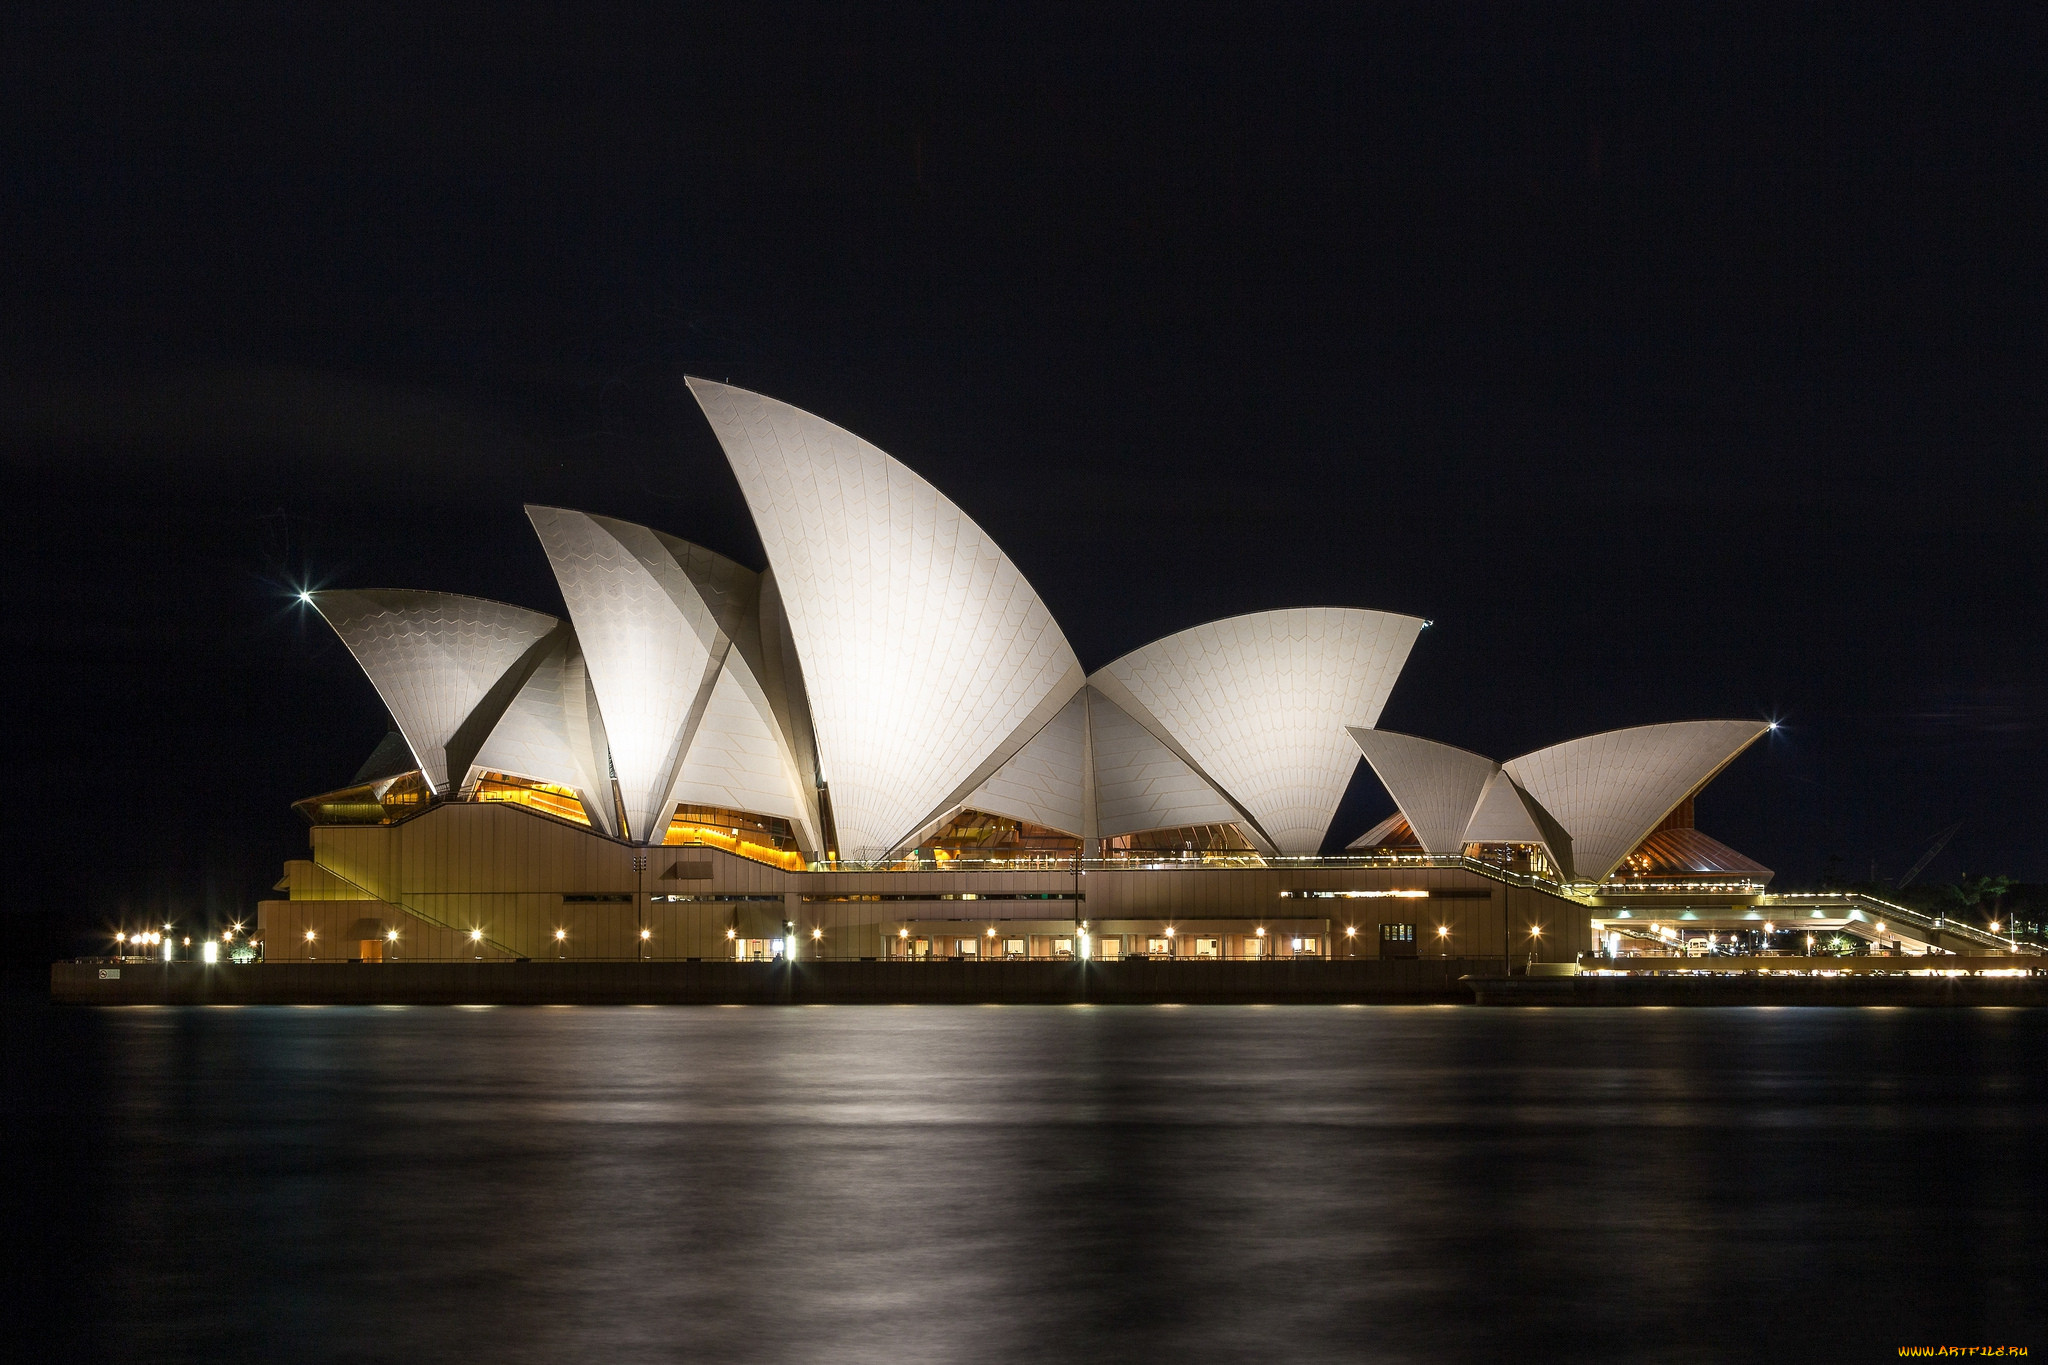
(1027, 1184)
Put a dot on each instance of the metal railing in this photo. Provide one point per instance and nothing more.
(1868, 907)
(1198, 861)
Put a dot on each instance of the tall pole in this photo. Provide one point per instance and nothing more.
(1080, 920)
(640, 906)
(1505, 932)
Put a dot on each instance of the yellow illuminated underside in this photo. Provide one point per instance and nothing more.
(688, 832)
(544, 797)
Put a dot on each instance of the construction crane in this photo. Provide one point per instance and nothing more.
(1940, 843)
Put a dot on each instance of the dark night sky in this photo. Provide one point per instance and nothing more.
(1675, 362)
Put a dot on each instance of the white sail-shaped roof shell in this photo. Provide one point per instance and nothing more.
(546, 735)
(1509, 815)
(1043, 783)
(1259, 704)
(653, 646)
(433, 657)
(1142, 784)
(927, 657)
(658, 620)
(735, 760)
(1610, 790)
(1436, 786)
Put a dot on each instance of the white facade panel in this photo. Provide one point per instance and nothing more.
(1610, 790)
(1503, 817)
(432, 656)
(534, 738)
(653, 647)
(735, 761)
(583, 720)
(1261, 703)
(1436, 786)
(1141, 784)
(923, 648)
(1042, 783)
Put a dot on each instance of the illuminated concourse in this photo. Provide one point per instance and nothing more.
(882, 746)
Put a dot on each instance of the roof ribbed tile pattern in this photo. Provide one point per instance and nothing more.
(1141, 784)
(1436, 786)
(1042, 783)
(923, 648)
(1610, 790)
(432, 656)
(653, 646)
(735, 760)
(1261, 703)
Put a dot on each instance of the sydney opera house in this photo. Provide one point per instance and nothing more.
(882, 746)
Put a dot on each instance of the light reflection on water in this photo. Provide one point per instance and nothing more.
(926, 1183)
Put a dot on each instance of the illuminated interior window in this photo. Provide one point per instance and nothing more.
(544, 797)
(977, 834)
(1212, 844)
(383, 802)
(1529, 858)
(761, 838)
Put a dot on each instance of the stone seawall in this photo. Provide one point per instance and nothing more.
(1344, 981)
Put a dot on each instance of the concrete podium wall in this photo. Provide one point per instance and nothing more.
(520, 876)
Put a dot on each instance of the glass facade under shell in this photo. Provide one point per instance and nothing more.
(1209, 844)
(381, 802)
(544, 797)
(977, 834)
(762, 838)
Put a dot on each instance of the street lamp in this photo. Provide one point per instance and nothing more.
(309, 945)
(476, 940)
(1443, 940)
(560, 935)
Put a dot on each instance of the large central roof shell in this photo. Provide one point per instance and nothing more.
(1258, 706)
(928, 659)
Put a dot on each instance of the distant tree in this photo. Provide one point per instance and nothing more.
(1992, 890)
